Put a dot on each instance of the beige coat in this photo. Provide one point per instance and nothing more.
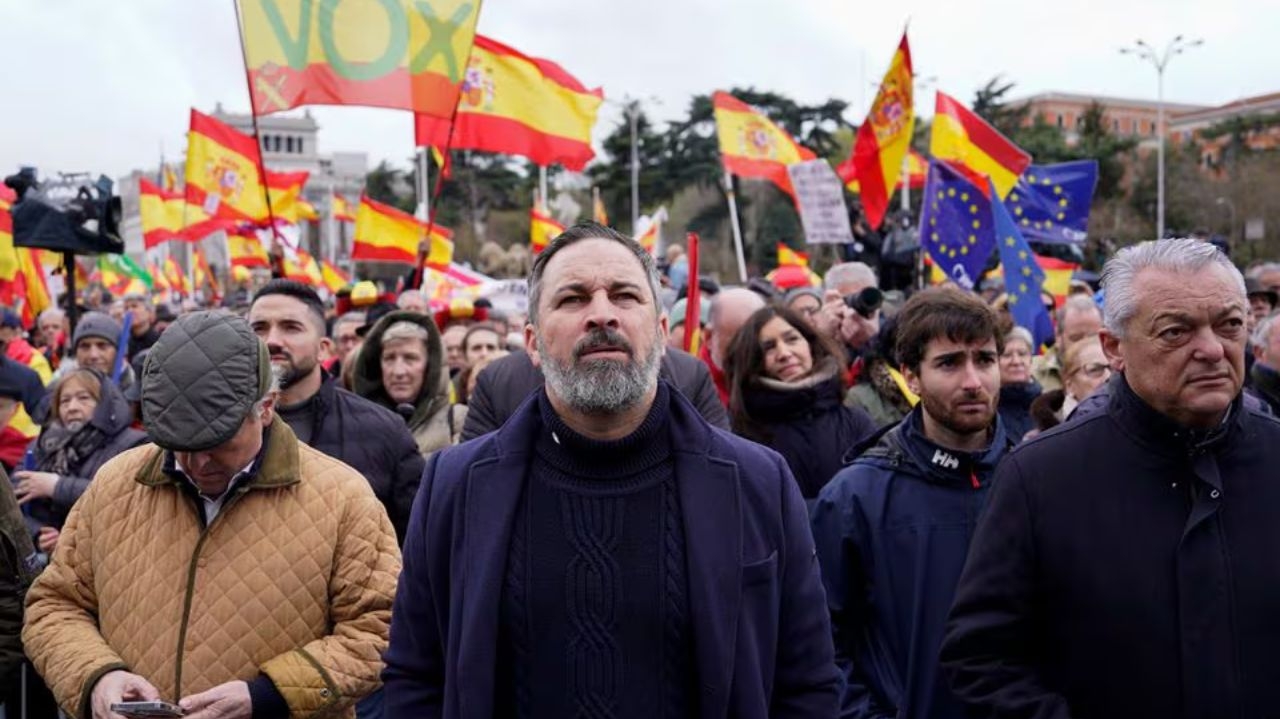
(294, 578)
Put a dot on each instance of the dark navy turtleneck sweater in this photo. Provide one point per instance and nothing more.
(595, 614)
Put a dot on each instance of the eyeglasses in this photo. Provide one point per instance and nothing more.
(1095, 370)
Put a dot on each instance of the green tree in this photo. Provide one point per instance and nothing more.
(386, 184)
(990, 103)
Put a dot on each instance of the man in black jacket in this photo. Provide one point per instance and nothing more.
(1125, 565)
(507, 381)
(289, 317)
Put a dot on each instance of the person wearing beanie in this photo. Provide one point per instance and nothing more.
(227, 567)
(607, 547)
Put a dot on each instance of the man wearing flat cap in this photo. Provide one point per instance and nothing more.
(228, 567)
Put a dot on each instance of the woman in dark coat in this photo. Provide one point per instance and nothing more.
(89, 423)
(785, 392)
(1017, 388)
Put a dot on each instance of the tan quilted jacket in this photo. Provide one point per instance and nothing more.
(294, 577)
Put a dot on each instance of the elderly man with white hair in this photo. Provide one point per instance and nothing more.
(837, 319)
(1125, 565)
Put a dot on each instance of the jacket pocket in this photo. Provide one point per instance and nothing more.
(761, 572)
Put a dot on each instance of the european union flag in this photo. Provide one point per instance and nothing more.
(1023, 277)
(1050, 203)
(955, 224)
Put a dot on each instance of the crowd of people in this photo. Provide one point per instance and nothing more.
(846, 502)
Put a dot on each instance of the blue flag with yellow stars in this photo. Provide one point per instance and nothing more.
(955, 224)
(1023, 278)
(1050, 203)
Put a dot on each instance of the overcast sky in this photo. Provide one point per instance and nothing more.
(104, 86)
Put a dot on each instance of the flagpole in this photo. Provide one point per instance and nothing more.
(331, 228)
(693, 296)
(424, 185)
(253, 115)
(542, 186)
(737, 228)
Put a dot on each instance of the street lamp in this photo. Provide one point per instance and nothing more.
(1143, 51)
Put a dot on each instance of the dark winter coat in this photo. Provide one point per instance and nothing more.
(891, 532)
(17, 569)
(113, 417)
(807, 423)
(1126, 567)
(374, 441)
(762, 644)
(1015, 408)
(506, 382)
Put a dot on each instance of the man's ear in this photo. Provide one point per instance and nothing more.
(531, 345)
(1112, 348)
(913, 380)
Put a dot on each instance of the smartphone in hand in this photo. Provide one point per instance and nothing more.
(147, 709)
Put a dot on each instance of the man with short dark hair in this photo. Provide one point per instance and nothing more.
(1125, 563)
(622, 557)
(289, 317)
(892, 529)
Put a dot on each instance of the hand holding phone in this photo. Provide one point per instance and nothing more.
(147, 709)
(117, 687)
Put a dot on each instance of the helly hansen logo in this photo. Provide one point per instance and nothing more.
(944, 460)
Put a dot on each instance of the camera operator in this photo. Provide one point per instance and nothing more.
(850, 311)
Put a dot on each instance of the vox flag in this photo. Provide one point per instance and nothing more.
(222, 171)
(975, 148)
(386, 234)
(401, 54)
(514, 104)
(884, 138)
(752, 146)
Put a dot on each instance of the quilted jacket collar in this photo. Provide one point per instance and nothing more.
(278, 468)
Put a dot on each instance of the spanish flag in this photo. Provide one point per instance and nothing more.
(514, 104)
(342, 209)
(170, 178)
(400, 54)
(385, 234)
(244, 249)
(788, 257)
(967, 142)
(542, 229)
(334, 278)
(163, 214)
(161, 283)
(752, 146)
(222, 171)
(285, 189)
(649, 229)
(917, 173)
(304, 269)
(177, 279)
(307, 211)
(204, 275)
(885, 136)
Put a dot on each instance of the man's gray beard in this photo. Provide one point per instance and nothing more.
(289, 374)
(601, 387)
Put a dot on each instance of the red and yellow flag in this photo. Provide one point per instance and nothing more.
(885, 136)
(170, 183)
(751, 145)
(401, 54)
(307, 212)
(543, 228)
(177, 279)
(342, 209)
(204, 274)
(514, 104)
(385, 234)
(788, 257)
(163, 214)
(23, 284)
(649, 229)
(244, 249)
(285, 189)
(971, 145)
(334, 278)
(222, 171)
(159, 282)
(917, 173)
(304, 269)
